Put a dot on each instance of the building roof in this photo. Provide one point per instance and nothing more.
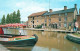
(37, 14)
(60, 11)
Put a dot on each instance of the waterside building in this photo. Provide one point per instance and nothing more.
(62, 19)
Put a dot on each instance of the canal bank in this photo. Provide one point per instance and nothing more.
(2, 48)
(49, 30)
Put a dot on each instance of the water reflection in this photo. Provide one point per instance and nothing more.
(44, 49)
(37, 48)
(54, 40)
(20, 48)
(49, 41)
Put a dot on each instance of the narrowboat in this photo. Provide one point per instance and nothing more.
(73, 38)
(13, 40)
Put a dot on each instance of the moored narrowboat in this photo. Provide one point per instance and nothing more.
(13, 40)
(18, 40)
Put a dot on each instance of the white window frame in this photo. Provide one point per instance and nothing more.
(66, 14)
(59, 18)
(65, 18)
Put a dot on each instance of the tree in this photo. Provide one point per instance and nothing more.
(3, 20)
(18, 16)
(7, 19)
(14, 17)
(11, 18)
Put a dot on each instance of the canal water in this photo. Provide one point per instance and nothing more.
(48, 41)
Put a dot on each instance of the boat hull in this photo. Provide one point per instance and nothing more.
(73, 39)
(20, 43)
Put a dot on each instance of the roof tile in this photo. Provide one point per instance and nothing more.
(60, 11)
(37, 14)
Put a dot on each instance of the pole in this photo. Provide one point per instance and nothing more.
(23, 31)
(49, 4)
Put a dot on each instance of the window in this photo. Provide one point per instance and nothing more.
(59, 18)
(37, 20)
(45, 20)
(45, 16)
(33, 18)
(69, 23)
(49, 16)
(49, 20)
(59, 24)
(65, 24)
(65, 19)
(37, 16)
(65, 14)
(33, 22)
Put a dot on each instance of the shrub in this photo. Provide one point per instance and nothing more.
(39, 26)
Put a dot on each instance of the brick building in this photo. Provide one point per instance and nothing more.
(36, 19)
(62, 19)
(78, 19)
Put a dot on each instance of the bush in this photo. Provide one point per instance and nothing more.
(39, 26)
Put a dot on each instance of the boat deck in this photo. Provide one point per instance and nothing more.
(16, 38)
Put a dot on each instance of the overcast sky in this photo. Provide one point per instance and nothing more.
(28, 7)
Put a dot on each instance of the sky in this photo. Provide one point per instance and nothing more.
(28, 7)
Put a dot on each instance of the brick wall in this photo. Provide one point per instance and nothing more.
(55, 19)
(78, 20)
(38, 20)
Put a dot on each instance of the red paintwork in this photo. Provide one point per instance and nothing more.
(13, 25)
(1, 31)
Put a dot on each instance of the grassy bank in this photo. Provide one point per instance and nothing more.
(76, 34)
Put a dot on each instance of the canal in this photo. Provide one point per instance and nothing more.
(48, 41)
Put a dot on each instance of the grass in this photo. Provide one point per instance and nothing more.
(76, 34)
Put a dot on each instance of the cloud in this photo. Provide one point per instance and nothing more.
(25, 12)
(2, 13)
(20, 4)
(56, 9)
(27, 9)
(67, 0)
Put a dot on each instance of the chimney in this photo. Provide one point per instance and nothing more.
(75, 5)
(50, 10)
(65, 7)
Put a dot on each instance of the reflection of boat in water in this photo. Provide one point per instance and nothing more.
(17, 40)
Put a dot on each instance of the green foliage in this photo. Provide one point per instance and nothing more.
(45, 24)
(3, 20)
(18, 16)
(14, 17)
(7, 19)
(74, 20)
(11, 18)
(39, 26)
